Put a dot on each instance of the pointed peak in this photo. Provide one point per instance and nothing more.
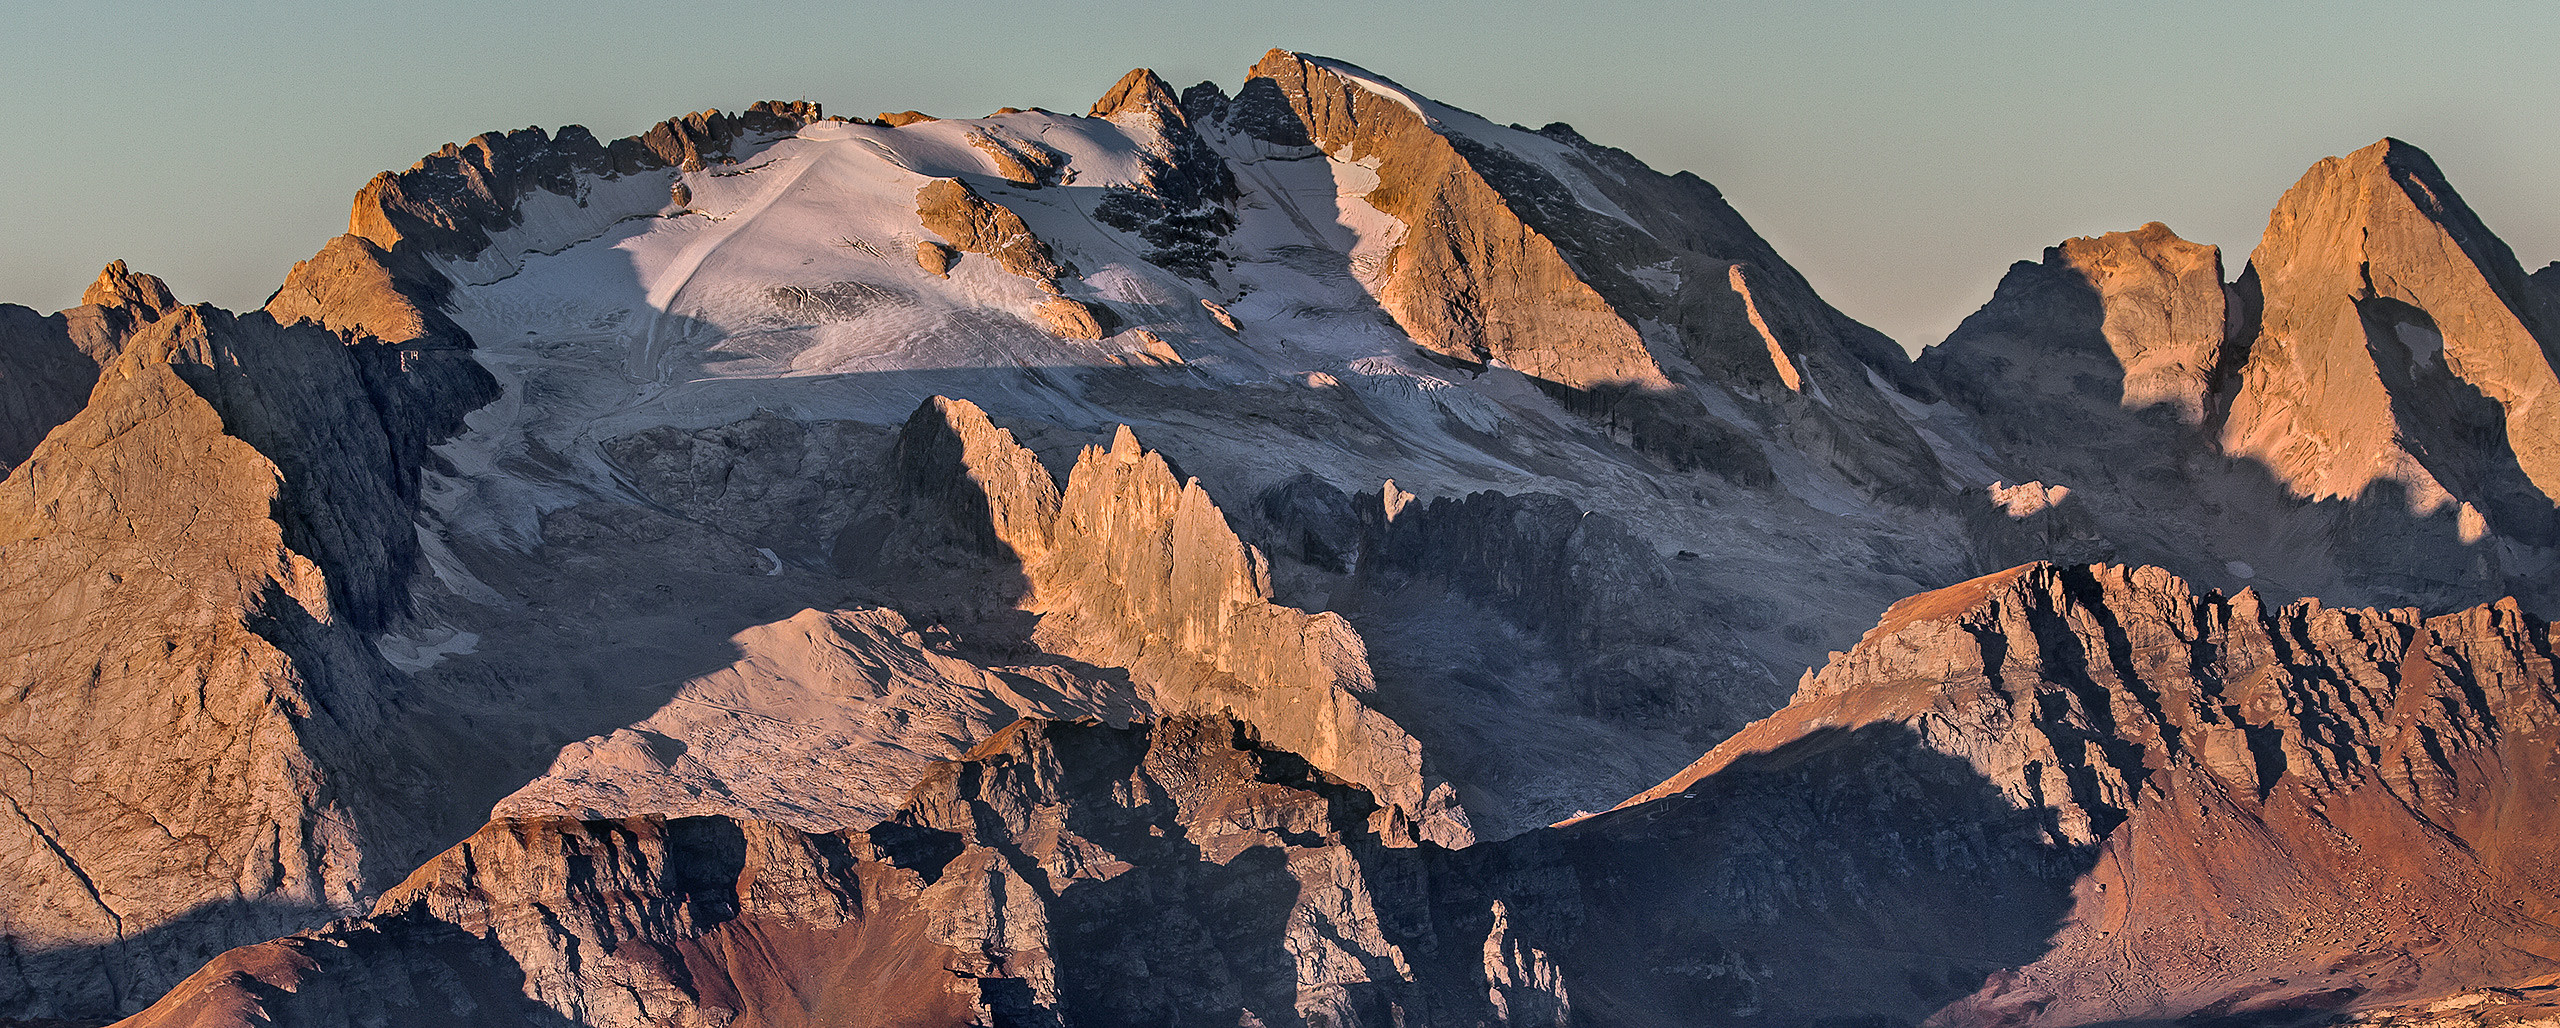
(2389, 156)
(2335, 187)
(1278, 62)
(1282, 66)
(119, 286)
(1139, 90)
(2393, 151)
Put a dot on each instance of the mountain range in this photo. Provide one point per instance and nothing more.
(1306, 555)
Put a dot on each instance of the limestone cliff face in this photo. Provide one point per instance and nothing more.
(207, 744)
(1182, 208)
(1469, 279)
(2354, 418)
(449, 203)
(357, 289)
(1505, 259)
(974, 224)
(2102, 371)
(2396, 341)
(2049, 796)
(48, 365)
(1188, 873)
(248, 693)
(1131, 567)
(194, 563)
(2165, 313)
(1059, 874)
(2142, 310)
(1139, 93)
(2290, 808)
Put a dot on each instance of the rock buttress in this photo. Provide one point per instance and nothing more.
(2291, 808)
(1139, 569)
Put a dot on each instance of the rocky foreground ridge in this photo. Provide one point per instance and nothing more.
(2048, 796)
(608, 527)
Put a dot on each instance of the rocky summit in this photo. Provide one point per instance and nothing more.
(1299, 554)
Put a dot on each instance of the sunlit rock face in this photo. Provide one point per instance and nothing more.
(2277, 805)
(2050, 796)
(2396, 340)
(2358, 417)
(1176, 563)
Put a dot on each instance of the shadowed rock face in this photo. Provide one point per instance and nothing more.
(1131, 567)
(1184, 873)
(197, 561)
(2143, 312)
(48, 365)
(2291, 808)
(2165, 314)
(2355, 418)
(1102, 875)
(2050, 796)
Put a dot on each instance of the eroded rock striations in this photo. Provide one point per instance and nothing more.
(2048, 796)
(1132, 567)
(2354, 418)
(2290, 808)
(1064, 871)
(196, 562)
(1183, 872)
(2382, 306)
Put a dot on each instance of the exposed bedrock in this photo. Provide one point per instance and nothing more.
(974, 224)
(1132, 567)
(197, 561)
(49, 364)
(2051, 796)
(449, 203)
(671, 565)
(1496, 289)
(1185, 872)
(2292, 808)
(2396, 339)
(2342, 422)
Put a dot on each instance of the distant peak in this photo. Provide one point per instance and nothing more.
(2392, 150)
(1139, 90)
(119, 286)
(1277, 60)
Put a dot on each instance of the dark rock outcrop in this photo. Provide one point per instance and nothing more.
(1181, 207)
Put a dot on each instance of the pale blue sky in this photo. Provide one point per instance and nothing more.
(1901, 154)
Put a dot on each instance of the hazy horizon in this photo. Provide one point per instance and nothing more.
(1901, 158)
